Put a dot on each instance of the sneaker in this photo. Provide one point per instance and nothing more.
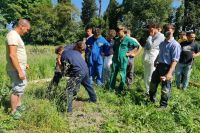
(16, 115)
(21, 108)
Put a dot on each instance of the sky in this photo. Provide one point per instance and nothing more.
(78, 3)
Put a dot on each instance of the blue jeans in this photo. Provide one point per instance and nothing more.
(183, 72)
(96, 71)
(161, 70)
(73, 85)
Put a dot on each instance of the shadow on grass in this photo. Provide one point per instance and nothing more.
(138, 95)
(82, 99)
(5, 103)
(5, 97)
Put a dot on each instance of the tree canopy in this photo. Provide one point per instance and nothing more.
(89, 10)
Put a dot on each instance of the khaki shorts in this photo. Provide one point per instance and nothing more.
(18, 85)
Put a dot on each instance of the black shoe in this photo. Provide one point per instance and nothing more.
(93, 101)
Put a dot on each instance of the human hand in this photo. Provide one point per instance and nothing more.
(128, 54)
(169, 76)
(195, 55)
(27, 66)
(21, 75)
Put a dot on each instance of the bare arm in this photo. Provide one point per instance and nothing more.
(14, 60)
(196, 54)
(169, 75)
(134, 52)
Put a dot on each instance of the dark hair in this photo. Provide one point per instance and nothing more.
(58, 49)
(79, 43)
(152, 25)
(190, 33)
(120, 27)
(89, 27)
(169, 26)
(80, 46)
(182, 33)
(159, 26)
(97, 31)
(112, 33)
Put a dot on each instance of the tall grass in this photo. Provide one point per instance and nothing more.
(130, 113)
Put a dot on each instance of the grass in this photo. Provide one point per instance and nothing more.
(112, 114)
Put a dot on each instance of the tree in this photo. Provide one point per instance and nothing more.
(13, 10)
(89, 9)
(145, 12)
(179, 19)
(64, 1)
(3, 22)
(191, 15)
(112, 14)
(100, 8)
(54, 25)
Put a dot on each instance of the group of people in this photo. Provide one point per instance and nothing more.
(100, 60)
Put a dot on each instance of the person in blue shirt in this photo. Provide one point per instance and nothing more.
(169, 55)
(57, 73)
(95, 51)
(75, 67)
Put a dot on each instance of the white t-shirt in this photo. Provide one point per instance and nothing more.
(13, 38)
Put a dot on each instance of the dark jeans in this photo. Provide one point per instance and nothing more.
(130, 71)
(161, 70)
(53, 84)
(56, 78)
(73, 84)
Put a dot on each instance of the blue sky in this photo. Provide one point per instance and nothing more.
(78, 3)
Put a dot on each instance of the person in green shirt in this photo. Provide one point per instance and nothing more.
(120, 58)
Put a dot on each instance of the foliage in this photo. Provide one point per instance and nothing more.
(141, 13)
(191, 20)
(89, 9)
(49, 25)
(98, 22)
(13, 10)
(54, 25)
(179, 17)
(111, 14)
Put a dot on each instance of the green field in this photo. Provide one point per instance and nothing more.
(132, 113)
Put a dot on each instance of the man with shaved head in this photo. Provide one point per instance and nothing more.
(17, 65)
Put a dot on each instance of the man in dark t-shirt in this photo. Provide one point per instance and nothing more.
(189, 50)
